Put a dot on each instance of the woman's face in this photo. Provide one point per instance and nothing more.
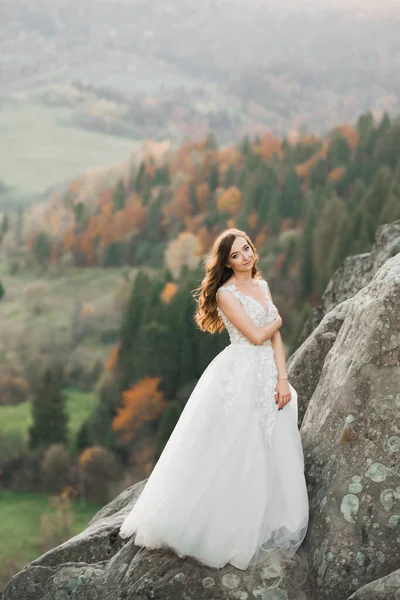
(241, 256)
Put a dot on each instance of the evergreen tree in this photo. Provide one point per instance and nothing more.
(130, 328)
(42, 248)
(213, 178)
(374, 200)
(161, 176)
(339, 151)
(119, 196)
(274, 218)
(140, 178)
(229, 177)
(79, 211)
(291, 196)
(391, 208)
(211, 142)
(50, 419)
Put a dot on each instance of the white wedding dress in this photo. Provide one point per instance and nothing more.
(229, 486)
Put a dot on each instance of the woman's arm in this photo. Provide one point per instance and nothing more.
(283, 394)
(279, 351)
(235, 312)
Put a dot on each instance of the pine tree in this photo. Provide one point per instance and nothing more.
(42, 248)
(119, 196)
(213, 178)
(50, 418)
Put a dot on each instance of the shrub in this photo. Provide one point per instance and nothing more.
(55, 468)
(99, 469)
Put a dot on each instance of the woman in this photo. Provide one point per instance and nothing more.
(229, 486)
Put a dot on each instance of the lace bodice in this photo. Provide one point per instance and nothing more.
(260, 314)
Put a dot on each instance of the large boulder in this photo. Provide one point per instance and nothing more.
(348, 371)
(351, 440)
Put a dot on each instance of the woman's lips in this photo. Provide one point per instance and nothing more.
(247, 263)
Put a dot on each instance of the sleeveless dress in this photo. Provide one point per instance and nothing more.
(229, 486)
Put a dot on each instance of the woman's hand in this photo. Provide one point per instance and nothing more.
(283, 394)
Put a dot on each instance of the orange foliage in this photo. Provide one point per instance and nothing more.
(279, 261)
(205, 238)
(229, 200)
(260, 239)
(30, 241)
(230, 222)
(337, 174)
(202, 196)
(227, 157)
(75, 186)
(181, 160)
(252, 219)
(286, 224)
(140, 404)
(150, 169)
(269, 145)
(112, 358)
(53, 253)
(303, 170)
(143, 458)
(194, 223)
(87, 310)
(352, 136)
(181, 202)
(106, 198)
(87, 455)
(169, 291)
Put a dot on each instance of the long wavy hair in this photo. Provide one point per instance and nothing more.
(216, 274)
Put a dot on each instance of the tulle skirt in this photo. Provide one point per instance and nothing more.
(222, 491)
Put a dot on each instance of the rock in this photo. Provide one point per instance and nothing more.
(354, 274)
(305, 365)
(386, 588)
(351, 442)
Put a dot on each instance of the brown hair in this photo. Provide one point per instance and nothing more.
(217, 273)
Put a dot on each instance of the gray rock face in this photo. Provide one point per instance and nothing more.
(305, 364)
(347, 374)
(351, 441)
(354, 274)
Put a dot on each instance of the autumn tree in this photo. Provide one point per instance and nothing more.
(184, 250)
(99, 470)
(143, 403)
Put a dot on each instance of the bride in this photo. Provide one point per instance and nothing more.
(229, 486)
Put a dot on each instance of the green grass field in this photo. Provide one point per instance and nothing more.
(17, 419)
(20, 515)
(97, 288)
(37, 148)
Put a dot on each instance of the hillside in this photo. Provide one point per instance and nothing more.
(180, 70)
